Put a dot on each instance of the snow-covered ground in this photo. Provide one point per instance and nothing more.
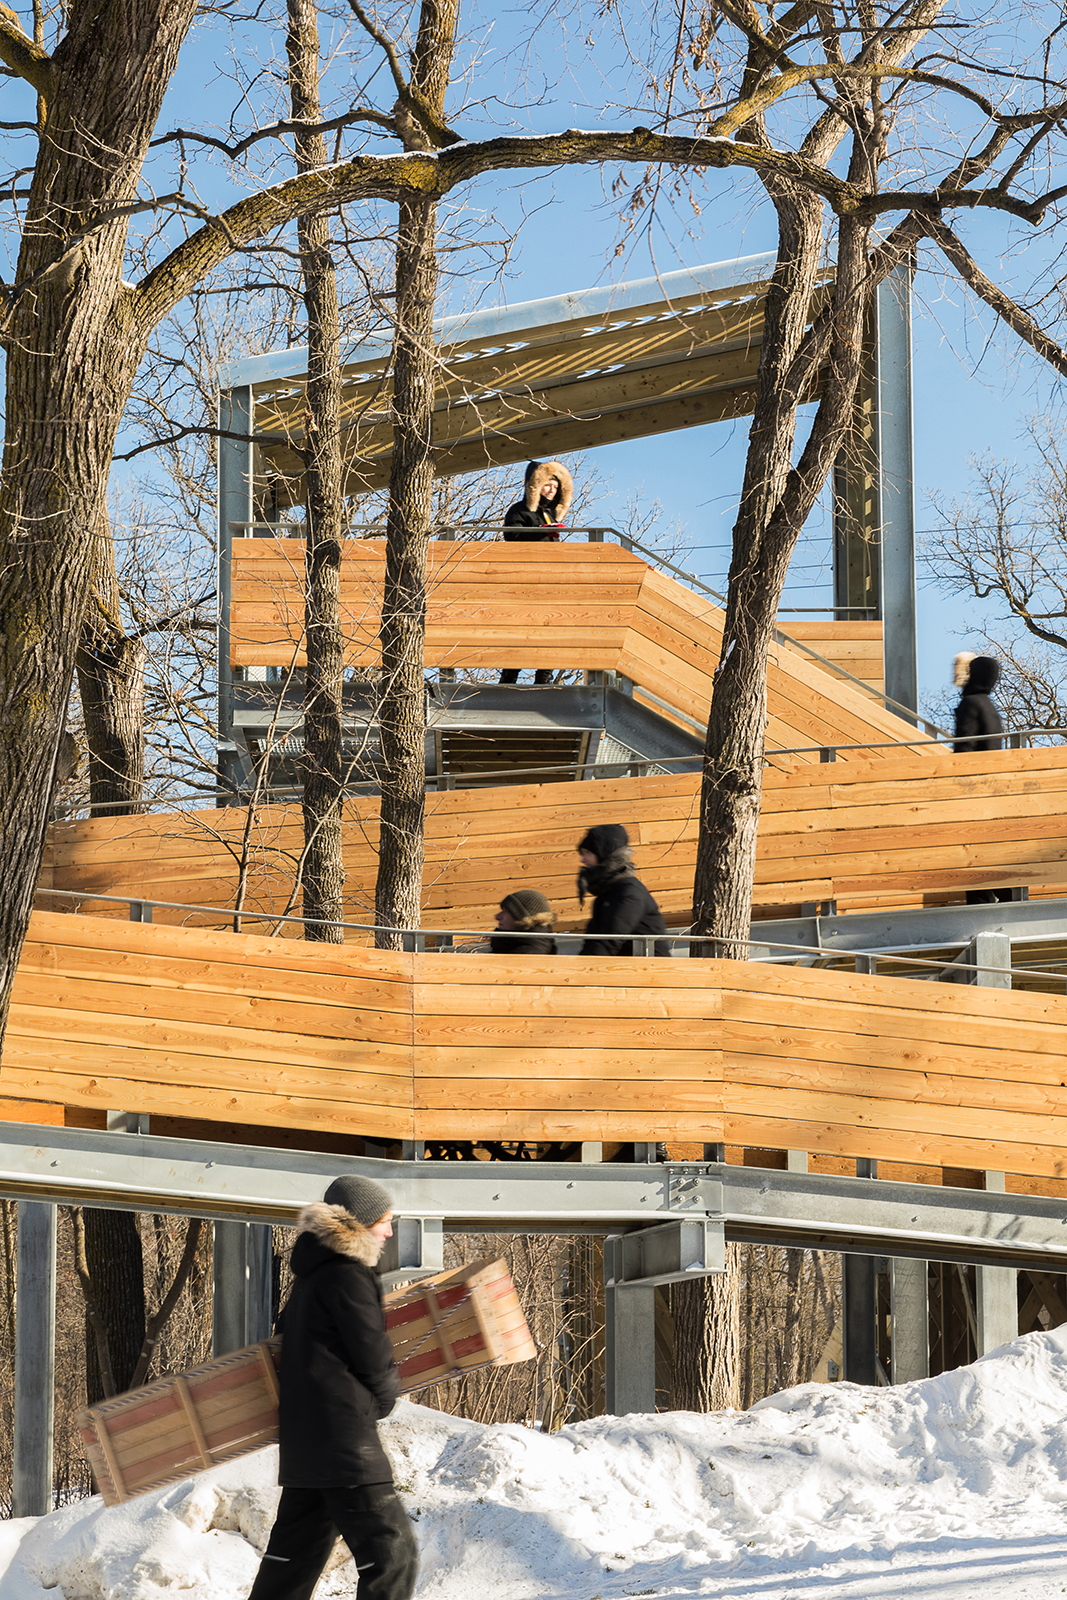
(949, 1488)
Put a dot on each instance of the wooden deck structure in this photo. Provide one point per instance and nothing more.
(194, 1023)
(594, 607)
(865, 833)
(539, 378)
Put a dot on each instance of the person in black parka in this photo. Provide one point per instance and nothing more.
(338, 1379)
(622, 904)
(526, 912)
(548, 490)
(978, 727)
(978, 724)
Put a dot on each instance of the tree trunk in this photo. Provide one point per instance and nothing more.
(110, 669)
(323, 776)
(402, 714)
(733, 756)
(707, 1339)
(116, 1270)
(73, 343)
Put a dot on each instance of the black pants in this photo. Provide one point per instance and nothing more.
(511, 675)
(372, 1522)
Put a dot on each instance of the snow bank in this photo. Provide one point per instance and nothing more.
(932, 1489)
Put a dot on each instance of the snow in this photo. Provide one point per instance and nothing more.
(936, 1490)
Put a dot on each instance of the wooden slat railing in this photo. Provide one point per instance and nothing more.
(862, 833)
(589, 606)
(199, 1024)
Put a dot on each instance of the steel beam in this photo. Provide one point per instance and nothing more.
(674, 1252)
(912, 930)
(35, 1350)
(144, 1172)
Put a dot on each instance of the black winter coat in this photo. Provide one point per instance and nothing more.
(977, 724)
(338, 1376)
(622, 905)
(520, 523)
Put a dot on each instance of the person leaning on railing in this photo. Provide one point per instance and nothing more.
(524, 912)
(548, 490)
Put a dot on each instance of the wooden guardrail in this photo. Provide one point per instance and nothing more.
(200, 1024)
(590, 606)
(862, 833)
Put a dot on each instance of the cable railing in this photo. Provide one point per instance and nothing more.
(476, 940)
(635, 766)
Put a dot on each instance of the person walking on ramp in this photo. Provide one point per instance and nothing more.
(338, 1379)
(622, 904)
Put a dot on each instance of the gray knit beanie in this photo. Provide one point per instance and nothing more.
(362, 1198)
(522, 903)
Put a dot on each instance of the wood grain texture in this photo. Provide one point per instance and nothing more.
(477, 1047)
(885, 832)
(573, 605)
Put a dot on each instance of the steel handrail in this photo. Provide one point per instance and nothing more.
(675, 936)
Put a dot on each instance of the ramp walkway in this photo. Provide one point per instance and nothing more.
(399, 1046)
(875, 832)
(587, 606)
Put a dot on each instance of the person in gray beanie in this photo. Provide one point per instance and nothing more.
(527, 920)
(338, 1379)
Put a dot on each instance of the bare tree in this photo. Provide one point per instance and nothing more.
(1005, 543)
(786, 93)
(324, 873)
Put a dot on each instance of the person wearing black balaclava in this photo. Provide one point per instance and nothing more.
(978, 727)
(622, 904)
(978, 724)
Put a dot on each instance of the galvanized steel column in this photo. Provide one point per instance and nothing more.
(35, 1351)
(896, 492)
(243, 1262)
(629, 1341)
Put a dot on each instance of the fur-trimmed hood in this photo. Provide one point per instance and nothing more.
(540, 920)
(539, 476)
(336, 1229)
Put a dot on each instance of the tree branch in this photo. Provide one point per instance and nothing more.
(1017, 319)
(276, 129)
(416, 104)
(26, 59)
(157, 1323)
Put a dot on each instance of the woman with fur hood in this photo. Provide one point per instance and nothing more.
(524, 912)
(548, 490)
(547, 494)
(338, 1379)
(622, 904)
(978, 721)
